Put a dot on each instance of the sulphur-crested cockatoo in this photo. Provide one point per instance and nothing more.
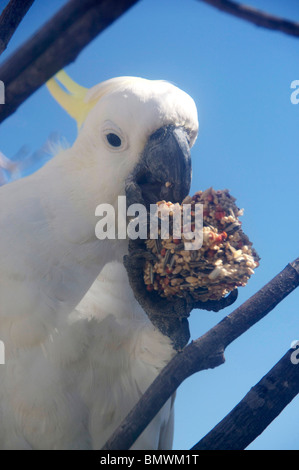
(75, 365)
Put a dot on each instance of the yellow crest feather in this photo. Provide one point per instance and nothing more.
(78, 100)
(73, 101)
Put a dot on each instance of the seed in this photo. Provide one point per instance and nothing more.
(211, 253)
(232, 228)
(176, 281)
(197, 264)
(177, 270)
(187, 200)
(191, 279)
(167, 256)
(179, 247)
(215, 273)
(225, 261)
(157, 245)
(171, 262)
(151, 274)
(185, 272)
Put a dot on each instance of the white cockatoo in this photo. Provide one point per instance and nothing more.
(79, 349)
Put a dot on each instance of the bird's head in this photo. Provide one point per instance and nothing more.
(135, 134)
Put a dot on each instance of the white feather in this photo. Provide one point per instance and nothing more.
(72, 390)
(72, 374)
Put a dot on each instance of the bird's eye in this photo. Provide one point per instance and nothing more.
(113, 139)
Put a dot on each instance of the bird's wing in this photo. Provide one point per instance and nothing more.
(126, 353)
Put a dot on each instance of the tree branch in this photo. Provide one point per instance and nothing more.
(54, 46)
(10, 19)
(262, 404)
(257, 17)
(206, 352)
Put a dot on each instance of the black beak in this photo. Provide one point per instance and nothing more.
(164, 170)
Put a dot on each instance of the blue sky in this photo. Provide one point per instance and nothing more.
(239, 76)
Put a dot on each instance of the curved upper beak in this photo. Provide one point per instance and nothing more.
(164, 170)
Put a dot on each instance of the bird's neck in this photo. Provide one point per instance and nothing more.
(76, 189)
(71, 191)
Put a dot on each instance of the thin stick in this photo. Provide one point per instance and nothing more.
(262, 404)
(54, 46)
(257, 17)
(10, 19)
(206, 352)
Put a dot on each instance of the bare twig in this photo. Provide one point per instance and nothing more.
(262, 404)
(54, 46)
(10, 19)
(257, 17)
(206, 352)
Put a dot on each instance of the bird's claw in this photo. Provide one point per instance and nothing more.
(169, 316)
(216, 305)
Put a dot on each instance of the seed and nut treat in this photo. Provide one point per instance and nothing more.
(226, 259)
